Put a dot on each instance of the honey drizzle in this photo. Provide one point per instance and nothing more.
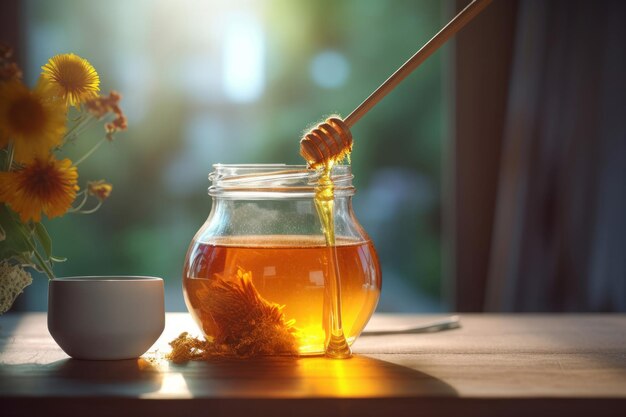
(336, 343)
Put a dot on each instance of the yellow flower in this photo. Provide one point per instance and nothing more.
(45, 185)
(74, 78)
(32, 119)
(100, 189)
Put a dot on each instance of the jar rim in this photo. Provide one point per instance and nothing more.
(274, 181)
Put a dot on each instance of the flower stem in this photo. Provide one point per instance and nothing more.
(93, 210)
(10, 153)
(43, 264)
(82, 203)
(92, 150)
(82, 122)
(40, 261)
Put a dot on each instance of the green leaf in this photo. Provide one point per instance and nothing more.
(57, 259)
(16, 240)
(44, 239)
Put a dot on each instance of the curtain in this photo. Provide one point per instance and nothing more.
(559, 240)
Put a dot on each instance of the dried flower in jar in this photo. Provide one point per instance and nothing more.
(247, 325)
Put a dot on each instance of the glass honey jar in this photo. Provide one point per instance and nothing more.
(262, 244)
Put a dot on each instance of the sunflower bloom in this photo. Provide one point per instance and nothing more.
(74, 78)
(100, 189)
(45, 185)
(34, 121)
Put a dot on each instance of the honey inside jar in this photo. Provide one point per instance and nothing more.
(290, 271)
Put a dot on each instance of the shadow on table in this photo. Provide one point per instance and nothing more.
(125, 378)
(358, 377)
(308, 386)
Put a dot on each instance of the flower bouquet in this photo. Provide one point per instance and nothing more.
(36, 177)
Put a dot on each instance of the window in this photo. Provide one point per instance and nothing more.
(238, 82)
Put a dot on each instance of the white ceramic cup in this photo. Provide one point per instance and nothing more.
(106, 318)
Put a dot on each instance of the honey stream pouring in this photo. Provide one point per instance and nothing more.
(331, 141)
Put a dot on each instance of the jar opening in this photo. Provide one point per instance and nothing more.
(274, 180)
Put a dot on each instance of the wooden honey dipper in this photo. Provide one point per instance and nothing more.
(332, 139)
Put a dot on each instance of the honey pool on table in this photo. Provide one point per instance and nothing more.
(289, 271)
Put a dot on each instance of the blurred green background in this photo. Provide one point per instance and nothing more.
(238, 82)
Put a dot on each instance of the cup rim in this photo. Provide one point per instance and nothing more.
(107, 278)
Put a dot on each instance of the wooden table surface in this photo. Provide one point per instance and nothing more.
(526, 365)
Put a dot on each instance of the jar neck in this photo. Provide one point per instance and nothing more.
(275, 181)
(252, 215)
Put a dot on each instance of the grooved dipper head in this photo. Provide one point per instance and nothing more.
(328, 141)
